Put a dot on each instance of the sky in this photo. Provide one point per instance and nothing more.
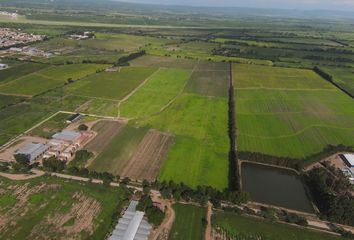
(346, 5)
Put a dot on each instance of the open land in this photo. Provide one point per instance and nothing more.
(287, 112)
(244, 227)
(49, 207)
(188, 223)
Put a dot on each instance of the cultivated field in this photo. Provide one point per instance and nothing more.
(48, 78)
(342, 76)
(20, 70)
(199, 153)
(210, 79)
(157, 93)
(111, 85)
(105, 130)
(289, 112)
(164, 62)
(188, 223)
(148, 157)
(50, 208)
(242, 227)
(117, 153)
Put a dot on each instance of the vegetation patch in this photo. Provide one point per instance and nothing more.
(234, 226)
(189, 223)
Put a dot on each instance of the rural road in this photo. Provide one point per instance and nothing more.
(208, 230)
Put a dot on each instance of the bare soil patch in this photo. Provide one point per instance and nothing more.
(149, 156)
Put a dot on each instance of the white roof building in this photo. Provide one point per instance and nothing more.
(132, 226)
(70, 136)
(348, 159)
(33, 150)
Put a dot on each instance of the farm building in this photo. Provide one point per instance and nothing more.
(75, 117)
(33, 150)
(68, 136)
(132, 226)
(348, 159)
(3, 66)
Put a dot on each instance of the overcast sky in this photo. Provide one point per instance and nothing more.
(347, 5)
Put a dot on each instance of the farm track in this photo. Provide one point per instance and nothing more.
(148, 157)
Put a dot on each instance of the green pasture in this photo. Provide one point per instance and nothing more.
(210, 79)
(344, 77)
(51, 77)
(199, 154)
(250, 76)
(294, 120)
(188, 224)
(111, 85)
(101, 107)
(117, 153)
(51, 126)
(242, 227)
(162, 61)
(26, 211)
(18, 71)
(156, 94)
(9, 100)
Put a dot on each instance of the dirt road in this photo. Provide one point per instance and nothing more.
(208, 230)
(163, 231)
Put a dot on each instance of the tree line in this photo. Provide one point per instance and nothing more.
(295, 163)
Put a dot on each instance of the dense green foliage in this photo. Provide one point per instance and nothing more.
(155, 215)
(80, 159)
(332, 193)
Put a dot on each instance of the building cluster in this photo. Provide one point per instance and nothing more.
(3, 66)
(30, 51)
(62, 146)
(132, 226)
(348, 171)
(83, 36)
(8, 14)
(10, 37)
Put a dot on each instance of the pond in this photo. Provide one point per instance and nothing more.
(275, 186)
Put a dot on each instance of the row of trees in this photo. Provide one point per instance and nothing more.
(295, 163)
(123, 61)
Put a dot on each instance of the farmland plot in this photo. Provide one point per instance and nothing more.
(51, 77)
(160, 61)
(209, 79)
(117, 153)
(111, 85)
(162, 88)
(289, 112)
(21, 70)
(199, 153)
(52, 208)
(148, 157)
(344, 77)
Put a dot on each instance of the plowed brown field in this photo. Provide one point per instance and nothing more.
(149, 156)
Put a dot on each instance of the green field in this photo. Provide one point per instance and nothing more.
(162, 88)
(242, 227)
(9, 100)
(111, 85)
(52, 126)
(117, 153)
(210, 79)
(51, 77)
(19, 70)
(343, 77)
(48, 207)
(166, 62)
(188, 223)
(199, 154)
(289, 112)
